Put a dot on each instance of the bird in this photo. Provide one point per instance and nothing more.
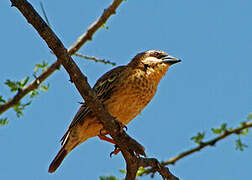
(124, 91)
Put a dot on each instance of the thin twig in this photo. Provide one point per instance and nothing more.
(202, 145)
(95, 59)
(72, 50)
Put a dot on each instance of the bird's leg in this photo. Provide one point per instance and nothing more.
(105, 138)
(115, 152)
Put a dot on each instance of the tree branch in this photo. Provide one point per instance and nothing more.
(33, 85)
(202, 145)
(128, 146)
(72, 50)
(156, 166)
(95, 59)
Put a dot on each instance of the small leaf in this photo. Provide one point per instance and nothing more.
(239, 145)
(19, 108)
(220, 130)
(198, 138)
(243, 123)
(108, 178)
(43, 67)
(216, 130)
(3, 121)
(224, 127)
(2, 101)
(34, 93)
(249, 118)
(44, 87)
(23, 82)
(122, 171)
(104, 26)
(16, 85)
(12, 85)
(244, 132)
(140, 171)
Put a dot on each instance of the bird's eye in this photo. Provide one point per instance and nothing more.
(156, 54)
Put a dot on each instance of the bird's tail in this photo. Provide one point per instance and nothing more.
(58, 160)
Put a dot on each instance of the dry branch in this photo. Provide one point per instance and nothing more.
(72, 50)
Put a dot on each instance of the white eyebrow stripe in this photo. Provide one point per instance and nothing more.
(151, 59)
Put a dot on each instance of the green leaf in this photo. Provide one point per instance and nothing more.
(220, 130)
(140, 171)
(43, 67)
(3, 121)
(122, 171)
(44, 87)
(244, 132)
(198, 138)
(2, 101)
(12, 85)
(108, 178)
(224, 127)
(216, 130)
(105, 26)
(34, 93)
(20, 107)
(23, 82)
(243, 123)
(249, 118)
(239, 145)
(16, 85)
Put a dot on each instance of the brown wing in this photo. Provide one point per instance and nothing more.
(104, 88)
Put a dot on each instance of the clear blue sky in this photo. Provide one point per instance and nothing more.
(211, 86)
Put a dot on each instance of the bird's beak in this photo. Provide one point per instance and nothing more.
(170, 60)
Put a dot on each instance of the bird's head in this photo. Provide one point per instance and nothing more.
(153, 62)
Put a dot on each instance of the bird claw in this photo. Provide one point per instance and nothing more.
(115, 152)
(125, 127)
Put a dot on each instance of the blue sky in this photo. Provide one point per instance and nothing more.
(212, 85)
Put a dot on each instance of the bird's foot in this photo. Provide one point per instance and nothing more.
(115, 152)
(105, 138)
